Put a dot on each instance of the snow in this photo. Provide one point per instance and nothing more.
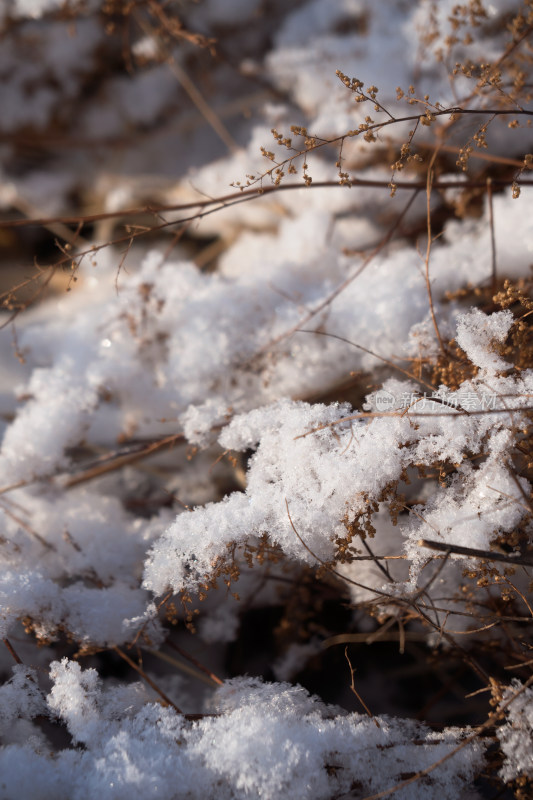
(515, 735)
(214, 415)
(263, 739)
(476, 333)
(327, 473)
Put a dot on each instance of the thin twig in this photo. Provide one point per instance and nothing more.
(26, 527)
(362, 415)
(12, 651)
(188, 84)
(363, 638)
(372, 353)
(330, 569)
(473, 552)
(248, 194)
(342, 286)
(147, 678)
(122, 461)
(356, 693)
(428, 247)
(486, 725)
(195, 673)
(492, 236)
(196, 663)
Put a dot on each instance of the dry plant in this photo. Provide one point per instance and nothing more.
(456, 641)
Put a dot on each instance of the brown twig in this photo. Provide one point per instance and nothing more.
(342, 286)
(473, 552)
(485, 726)
(492, 236)
(12, 651)
(185, 80)
(122, 461)
(372, 353)
(147, 678)
(24, 525)
(247, 194)
(356, 693)
(428, 248)
(196, 663)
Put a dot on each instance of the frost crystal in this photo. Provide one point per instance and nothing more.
(516, 734)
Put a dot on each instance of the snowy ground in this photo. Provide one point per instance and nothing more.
(242, 416)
